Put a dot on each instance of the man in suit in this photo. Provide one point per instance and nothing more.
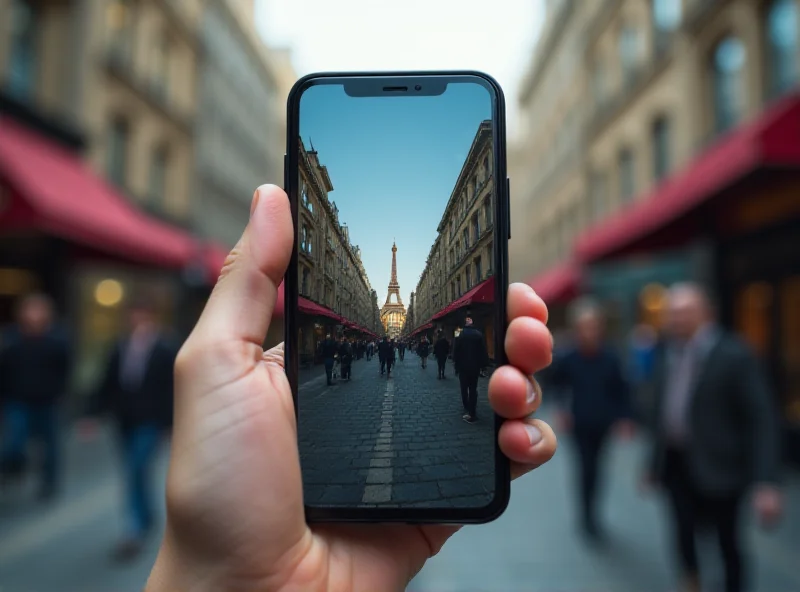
(386, 356)
(441, 349)
(590, 372)
(716, 434)
(329, 349)
(469, 357)
(136, 391)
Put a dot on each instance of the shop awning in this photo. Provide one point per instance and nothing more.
(483, 293)
(557, 284)
(306, 306)
(60, 195)
(773, 140)
(421, 329)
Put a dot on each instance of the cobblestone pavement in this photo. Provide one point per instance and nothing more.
(382, 442)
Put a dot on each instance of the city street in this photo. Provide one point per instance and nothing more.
(377, 441)
(534, 547)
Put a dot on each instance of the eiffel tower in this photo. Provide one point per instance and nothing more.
(393, 314)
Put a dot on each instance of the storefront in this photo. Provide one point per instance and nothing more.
(730, 221)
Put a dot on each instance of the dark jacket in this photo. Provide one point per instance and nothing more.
(385, 351)
(469, 352)
(34, 370)
(424, 349)
(442, 348)
(599, 395)
(329, 348)
(733, 421)
(151, 401)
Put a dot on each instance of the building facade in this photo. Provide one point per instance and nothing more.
(686, 168)
(331, 273)
(462, 255)
(239, 132)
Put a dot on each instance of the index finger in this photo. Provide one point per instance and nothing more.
(523, 301)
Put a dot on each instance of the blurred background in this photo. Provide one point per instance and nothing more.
(651, 142)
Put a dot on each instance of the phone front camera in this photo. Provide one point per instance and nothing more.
(418, 87)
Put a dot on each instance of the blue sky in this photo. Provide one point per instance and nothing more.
(393, 162)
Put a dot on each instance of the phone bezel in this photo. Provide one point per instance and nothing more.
(469, 515)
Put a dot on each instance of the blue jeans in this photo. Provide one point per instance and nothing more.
(25, 421)
(139, 445)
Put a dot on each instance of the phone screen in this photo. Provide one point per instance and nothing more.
(396, 324)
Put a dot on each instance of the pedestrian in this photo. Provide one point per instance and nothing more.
(441, 349)
(136, 391)
(469, 357)
(34, 377)
(328, 349)
(386, 356)
(592, 373)
(346, 357)
(424, 350)
(716, 435)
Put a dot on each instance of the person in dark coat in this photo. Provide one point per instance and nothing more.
(386, 356)
(346, 357)
(441, 349)
(716, 434)
(401, 349)
(34, 377)
(591, 372)
(136, 391)
(329, 349)
(469, 357)
(424, 350)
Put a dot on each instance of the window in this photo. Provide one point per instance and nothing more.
(661, 148)
(158, 175)
(304, 234)
(599, 81)
(465, 234)
(628, 52)
(458, 285)
(304, 285)
(477, 185)
(486, 170)
(160, 66)
(782, 46)
(117, 152)
(476, 227)
(478, 270)
(598, 192)
(627, 182)
(22, 57)
(728, 80)
(468, 273)
(119, 22)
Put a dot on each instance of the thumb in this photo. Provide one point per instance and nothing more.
(241, 304)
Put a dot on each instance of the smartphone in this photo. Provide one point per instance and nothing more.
(395, 309)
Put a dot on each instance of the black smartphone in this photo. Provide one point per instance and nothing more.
(395, 307)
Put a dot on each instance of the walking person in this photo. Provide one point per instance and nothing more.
(424, 350)
(591, 372)
(386, 356)
(441, 349)
(401, 349)
(34, 376)
(136, 391)
(716, 435)
(328, 349)
(469, 357)
(346, 357)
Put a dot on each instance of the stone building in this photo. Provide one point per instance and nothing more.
(684, 166)
(331, 275)
(461, 257)
(239, 131)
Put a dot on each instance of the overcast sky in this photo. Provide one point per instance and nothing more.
(496, 37)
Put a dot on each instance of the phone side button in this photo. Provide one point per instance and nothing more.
(508, 204)
(285, 173)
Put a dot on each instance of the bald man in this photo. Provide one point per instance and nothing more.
(716, 433)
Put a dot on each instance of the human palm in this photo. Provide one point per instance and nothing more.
(235, 517)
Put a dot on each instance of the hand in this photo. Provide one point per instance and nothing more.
(235, 517)
(768, 504)
(563, 421)
(625, 429)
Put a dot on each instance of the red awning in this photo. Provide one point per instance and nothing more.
(423, 328)
(559, 283)
(62, 196)
(308, 307)
(773, 140)
(483, 293)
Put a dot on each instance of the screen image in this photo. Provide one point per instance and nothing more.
(396, 298)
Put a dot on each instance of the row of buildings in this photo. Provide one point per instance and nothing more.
(335, 293)
(132, 136)
(458, 271)
(661, 142)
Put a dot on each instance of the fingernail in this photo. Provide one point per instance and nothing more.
(534, 434)
(532, 394)
(254, 204)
